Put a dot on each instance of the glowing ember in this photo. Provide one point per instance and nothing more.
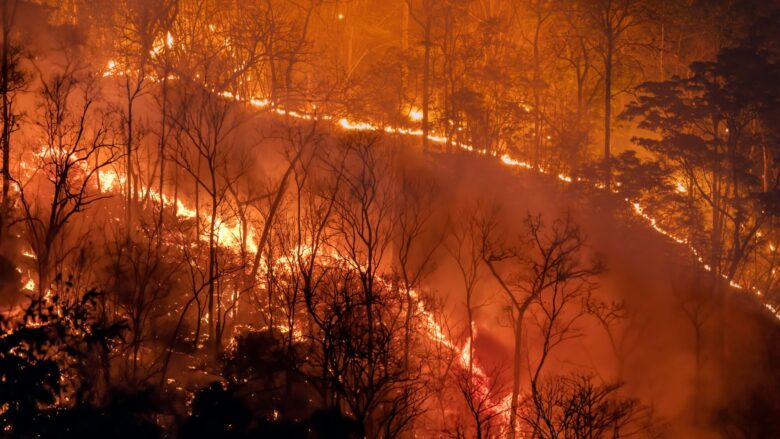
(415, 114)
(29, 285)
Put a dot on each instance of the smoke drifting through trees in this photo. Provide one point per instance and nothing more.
(389, 219)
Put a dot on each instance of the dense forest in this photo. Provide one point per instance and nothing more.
(390, 218)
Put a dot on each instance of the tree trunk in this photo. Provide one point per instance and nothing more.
(426, 85)
(6, 134)
(404, 46)
(765, 164)
(162, 157)
(537, 79)
(129, 166)
(516, 371)
(715, 238)
(608, 115)
(213, 330)
(470, 317)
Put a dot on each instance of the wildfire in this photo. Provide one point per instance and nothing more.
(437, 334)
(111, 69)
(228, 233)
(356, 126)
(509, 161)
(415, 114)
(564, 177)
(259, 103)
(110, 179)
(234, 235)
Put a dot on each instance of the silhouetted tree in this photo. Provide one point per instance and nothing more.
(13, 79)
(550, 261)
(577, 407)
(77, 142)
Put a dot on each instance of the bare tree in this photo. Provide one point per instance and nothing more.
(142, 277)
(553, 260)
(464, 246)
(576, 407)
(614, 23)
(209, 123)
(363, 222)
(415, 247)
(425, 13)
(77, 143)
(141, 28)
(541, 11)
(574, 47)
(358, 312)
(696, 306)
(482, 395)
(163, 64)
(12, 80)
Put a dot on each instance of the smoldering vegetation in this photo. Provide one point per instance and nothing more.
(288, 219)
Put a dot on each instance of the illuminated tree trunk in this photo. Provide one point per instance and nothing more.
(716, 243)
(765, 166)
(613, 19)
(129, 164)
(277, 201)
(426, 24)
(608, 112)
(450, 59)
(6, 118)
(175, 191)
(162, 156)
(198, 323)
(404, 45)
(43, 269)
(715, 238)
(214, 336)
(541, 16)
(470, 317)
(537, 125)
(426, 85)
(6, 67)
(517, 368)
